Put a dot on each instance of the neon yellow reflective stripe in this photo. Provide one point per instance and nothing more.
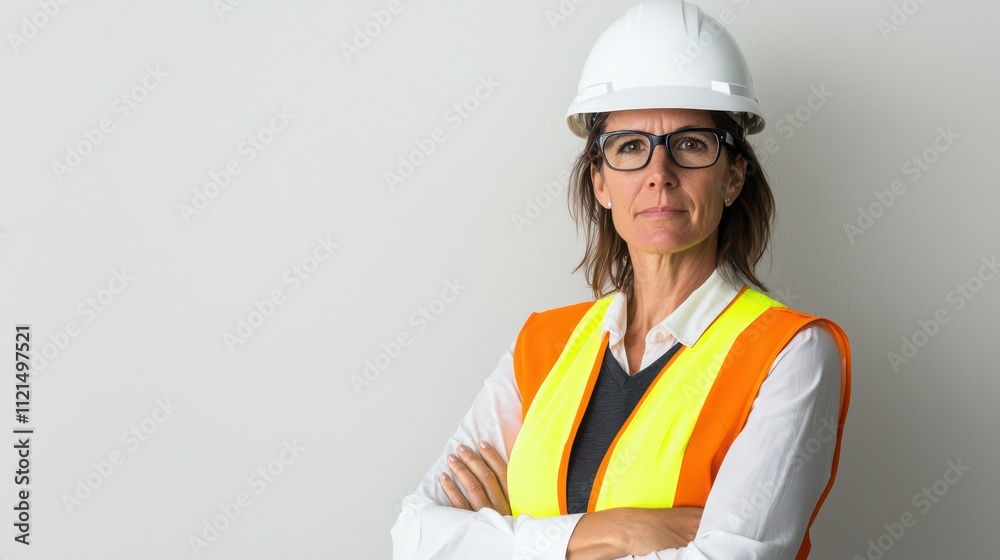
(761, 298)
(533, 469)
(652, 446)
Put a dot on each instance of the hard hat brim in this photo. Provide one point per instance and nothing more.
(664, 98)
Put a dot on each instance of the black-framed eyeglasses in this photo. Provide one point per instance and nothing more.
(690, 148)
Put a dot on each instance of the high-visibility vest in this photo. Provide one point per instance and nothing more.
(669, 450)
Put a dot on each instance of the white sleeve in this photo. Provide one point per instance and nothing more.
(778, 466)
(429, 527)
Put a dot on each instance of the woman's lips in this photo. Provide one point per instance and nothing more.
(661, 212)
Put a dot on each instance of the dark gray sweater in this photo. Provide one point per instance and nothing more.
(615, 395)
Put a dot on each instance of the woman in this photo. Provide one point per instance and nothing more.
(684, 414)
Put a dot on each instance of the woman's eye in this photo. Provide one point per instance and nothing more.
(691, 144)
(629, 148)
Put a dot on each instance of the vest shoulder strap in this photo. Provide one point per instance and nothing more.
(535, 354)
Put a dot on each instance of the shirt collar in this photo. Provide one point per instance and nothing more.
(687, 323)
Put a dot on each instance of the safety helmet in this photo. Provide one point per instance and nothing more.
(666, 54)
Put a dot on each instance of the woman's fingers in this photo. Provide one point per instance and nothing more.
(496, 464)
(473, 488)
(452, 491)
(496, 498)
(481, 484)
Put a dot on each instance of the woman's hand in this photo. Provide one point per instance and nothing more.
(652, 529)
(483, 478)
(624, 531)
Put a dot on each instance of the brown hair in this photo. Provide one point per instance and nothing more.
(743, 234)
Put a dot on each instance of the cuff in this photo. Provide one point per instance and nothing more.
(544, 538)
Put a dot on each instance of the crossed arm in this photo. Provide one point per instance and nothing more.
(602, 535)
(759, 506)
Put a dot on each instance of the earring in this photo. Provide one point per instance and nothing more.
(727, 202)
(609, 204)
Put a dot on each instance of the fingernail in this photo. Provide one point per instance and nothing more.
(452, 458)
(462, 448)
(442, 476)
(484, 445)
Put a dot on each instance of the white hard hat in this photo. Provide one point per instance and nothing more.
(666, 54)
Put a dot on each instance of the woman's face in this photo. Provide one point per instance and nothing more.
(663, 208)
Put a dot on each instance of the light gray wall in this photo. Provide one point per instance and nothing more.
(221, 74)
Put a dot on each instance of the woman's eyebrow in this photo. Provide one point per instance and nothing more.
(683, 127)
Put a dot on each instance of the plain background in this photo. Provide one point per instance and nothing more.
(453, 219)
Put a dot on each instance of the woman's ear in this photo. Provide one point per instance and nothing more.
(737, 177)
(600, 188)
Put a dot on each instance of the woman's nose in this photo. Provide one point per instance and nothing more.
(662, 171)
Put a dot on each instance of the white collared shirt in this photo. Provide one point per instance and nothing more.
(763, 496)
